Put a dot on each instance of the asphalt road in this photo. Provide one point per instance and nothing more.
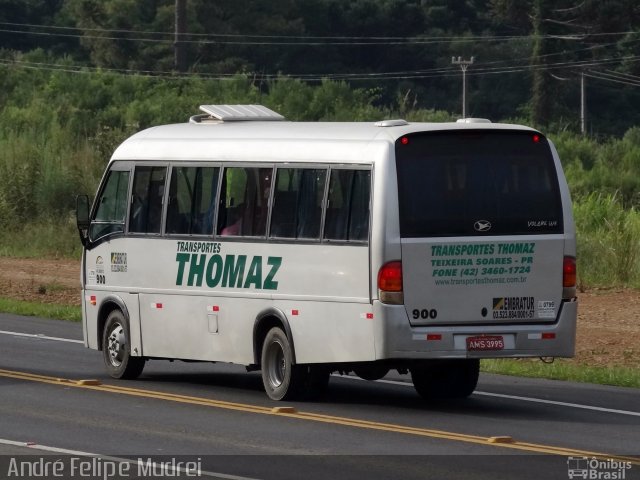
(218, 418)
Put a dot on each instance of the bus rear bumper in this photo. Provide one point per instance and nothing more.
(397, 339)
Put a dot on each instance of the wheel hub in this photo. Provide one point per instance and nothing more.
(277, 366)
(116, 344)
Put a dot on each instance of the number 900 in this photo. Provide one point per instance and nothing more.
(425, 313)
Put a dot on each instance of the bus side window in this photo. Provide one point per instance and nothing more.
(297, 208)
(146, 200)
(192, 194)
(347, 217)
(112, 206)
(244, 201)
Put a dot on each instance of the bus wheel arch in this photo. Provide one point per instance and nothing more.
(108, 305)
(265, 321)
(283, 378)
(115, 342)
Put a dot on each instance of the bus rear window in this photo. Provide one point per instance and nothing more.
(477, 183)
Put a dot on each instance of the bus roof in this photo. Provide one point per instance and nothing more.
(273, 140)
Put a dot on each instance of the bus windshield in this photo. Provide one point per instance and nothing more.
(477, 182)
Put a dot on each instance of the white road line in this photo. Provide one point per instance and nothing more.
(523, 399)
(562, 404)
(40, 335)
(406, 384)
(46, 449)
(143, 458)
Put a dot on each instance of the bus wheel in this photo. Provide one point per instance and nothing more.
(116, 348)
(446, 379)
(281, 378)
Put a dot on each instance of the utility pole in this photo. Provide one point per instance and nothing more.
(464, 64)
(179, 47)
(583, 105)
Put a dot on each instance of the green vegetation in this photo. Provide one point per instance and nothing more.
(57, 131)
(48, 155)
(528, 53)
(79, 76)
(564, 370)
(605, 185)
(55, 237)
(608, 242)
(44, 310)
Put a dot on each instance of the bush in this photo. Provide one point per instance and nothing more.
(608, 242)
(610, 167)
(58, 130)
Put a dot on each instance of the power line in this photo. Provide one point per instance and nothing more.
(611, 78)
(620, 74)
(485, 66)
(552, 66)
(120, 71)
(205, 41)
(407, 75)
(314, 37)
(268, 40)
(423, 40)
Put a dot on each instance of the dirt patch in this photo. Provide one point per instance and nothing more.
(40, 280)
(608, 320)
(609, 328)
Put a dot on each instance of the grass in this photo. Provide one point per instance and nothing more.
(564, 369)
(43, 310)
(46, 238)
(52, 287)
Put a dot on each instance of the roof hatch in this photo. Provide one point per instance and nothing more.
(236, 113)
(473, 120)
(392, 123)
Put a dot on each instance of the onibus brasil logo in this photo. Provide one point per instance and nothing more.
(596, 468)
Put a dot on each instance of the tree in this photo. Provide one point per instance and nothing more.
(129, 47)
(540, 91)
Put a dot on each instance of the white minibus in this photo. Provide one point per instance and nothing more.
(303, 249)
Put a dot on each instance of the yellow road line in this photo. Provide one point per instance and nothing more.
(499, 442)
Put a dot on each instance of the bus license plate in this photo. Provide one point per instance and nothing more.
(480, 343)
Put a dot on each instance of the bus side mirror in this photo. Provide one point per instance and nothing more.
(82, 218)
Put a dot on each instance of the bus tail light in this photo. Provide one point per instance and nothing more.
(390, 283)
(569, 277)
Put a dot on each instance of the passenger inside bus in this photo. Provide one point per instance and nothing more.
(234, 220)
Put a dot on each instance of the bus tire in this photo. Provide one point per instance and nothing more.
(282, 379)
(446, 379)
(116, 348)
